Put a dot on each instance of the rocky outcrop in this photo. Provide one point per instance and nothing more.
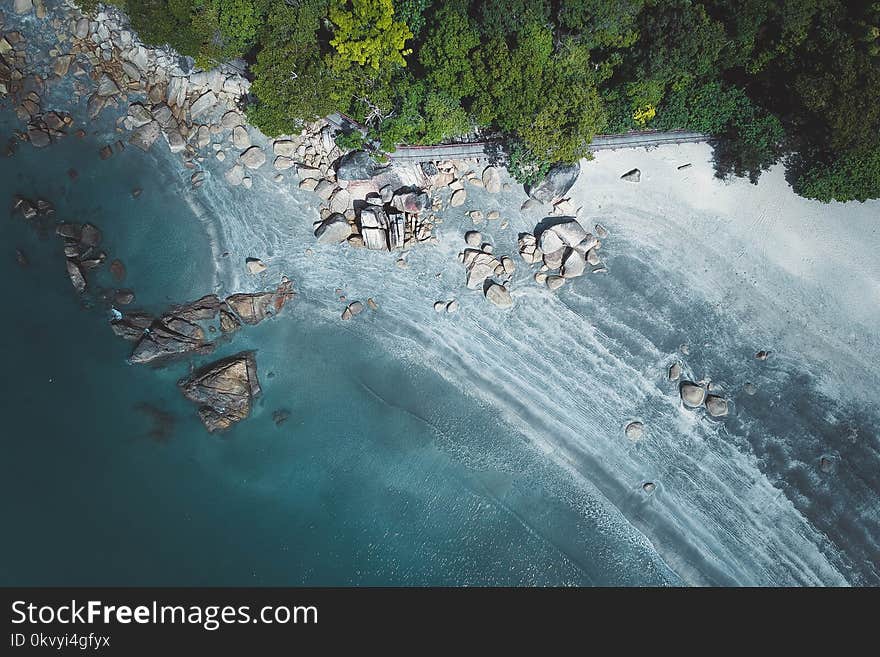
(224, 390)
(556, 184)
(358, 165)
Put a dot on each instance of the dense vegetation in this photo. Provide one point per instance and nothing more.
(792, 80)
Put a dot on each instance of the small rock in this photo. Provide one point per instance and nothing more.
(635, 430)
(649, 487)
(452, 306)
(499, 295)
(372, 304)
(750, 388)
(717, 406)
(253, 157)
(674, 372)
(255, 266)
(440, 306)
(692, 394)
(762, 355)
(458, 198)
(633, 176)
(555, 282)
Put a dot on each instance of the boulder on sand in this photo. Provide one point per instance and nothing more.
(556, 184)
(224, 390)
(498, 295)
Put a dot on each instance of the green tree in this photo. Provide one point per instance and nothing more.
(444, 55)
(292, 82)
(853, 177)
(602, 23)
(365, 33)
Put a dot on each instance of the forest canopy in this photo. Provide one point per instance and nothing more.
(796, 81)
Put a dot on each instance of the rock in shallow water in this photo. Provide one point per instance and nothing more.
(692, 394)
(224, 390)
(635, 430)
(499, 295)
(716, 406)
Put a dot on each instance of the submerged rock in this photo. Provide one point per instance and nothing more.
(224, 390)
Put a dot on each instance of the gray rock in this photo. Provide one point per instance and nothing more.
(284, 148)
(224, 390)
(202, 104)
(573, 264)
(411, 202)
(633, 176)
(139, 115)
(253, 158)
(716, 406)
(491, 180)
(107, 86)
(146, 135)
(358, 165)
(692, 394)
(23, 6)
(555, 282)
(240, 138)
(282, 163)
(231, 119)
(473, 238)
(499, 295)
(235, 175)
(458, 198)
(333, 230)
(255, 266)
(674, 372)
(635, 431)
(77, 278)
(559, 180)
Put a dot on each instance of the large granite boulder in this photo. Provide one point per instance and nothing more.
(224, 390)
(146, 135)
(556, 184)
(254, 307)
(169, 337)
(333, 230)
(358, 165)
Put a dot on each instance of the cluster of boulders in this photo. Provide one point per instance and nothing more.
(697, 394)
(563, 248)
(185, 328)
(367, 204)
(27, 90)
(486, 271)
(224, 390)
